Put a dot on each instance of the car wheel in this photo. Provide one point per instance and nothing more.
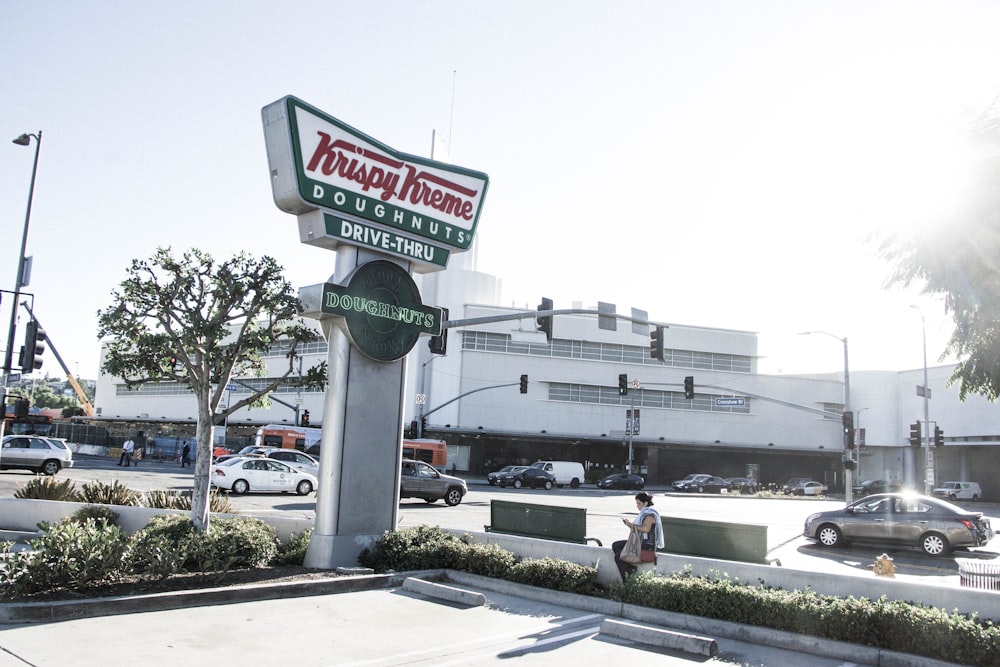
(701, 489)
(975, 498)
(50, 468)
(951, 496)
(304, 488)
(575, 484)
(453, 497)
(548, 485)
(934, 544)
(829, 535)
(517, 484)
(430, 500)
(240, 487)
(492, 482)
(640, 486)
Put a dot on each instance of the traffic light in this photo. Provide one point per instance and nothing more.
(34, 346)
(304, 421)
(545, 322)
(848, 419)
(656, 343)
(850, 464)
(689, 387)
(938, 437)
(915, 434)
(439, 344)
(623, 384)
(524, 384)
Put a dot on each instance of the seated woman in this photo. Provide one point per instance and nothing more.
(649, 527)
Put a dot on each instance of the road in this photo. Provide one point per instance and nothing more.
(783, 516)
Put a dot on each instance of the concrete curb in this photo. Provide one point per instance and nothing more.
(678, 641)
(16, 613)
(440, 591)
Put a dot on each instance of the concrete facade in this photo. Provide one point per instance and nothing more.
(788, 426)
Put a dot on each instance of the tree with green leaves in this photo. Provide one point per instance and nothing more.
(201, 322)
(957, 258)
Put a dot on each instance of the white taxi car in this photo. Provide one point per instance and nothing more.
(245, 474)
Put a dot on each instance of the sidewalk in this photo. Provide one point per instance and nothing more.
(378, 620)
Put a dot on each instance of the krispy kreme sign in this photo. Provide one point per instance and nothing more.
(318, 162)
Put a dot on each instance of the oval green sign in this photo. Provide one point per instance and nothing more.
(382, 309)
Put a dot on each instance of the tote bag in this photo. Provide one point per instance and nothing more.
(632, 552)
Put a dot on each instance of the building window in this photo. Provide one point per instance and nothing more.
(640, 398)
(484, 341)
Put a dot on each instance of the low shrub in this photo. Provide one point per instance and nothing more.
(410, 549)
(234, 543)
(893, 625)
(69, 555)
(115, 493)
(293, 552)
(95, 512)
(48, 488)
(559, 575)
(163, 547)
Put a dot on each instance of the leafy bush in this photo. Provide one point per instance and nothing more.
(488, 560)
(892, 625)
(234, 543)
(163, 547)
(47, 488)
(410, 549)
(109, 494)
(70, 555)
(559, 575)
(293, 552)
(97, 513)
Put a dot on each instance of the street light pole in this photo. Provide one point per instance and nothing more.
(928, 452)
(23, 140)
(848, 475)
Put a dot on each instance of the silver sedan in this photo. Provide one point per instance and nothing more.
(901, 519)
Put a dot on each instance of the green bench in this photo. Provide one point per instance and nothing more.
(563, 524)
(716, 539)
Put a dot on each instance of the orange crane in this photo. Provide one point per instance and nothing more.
(88, 409)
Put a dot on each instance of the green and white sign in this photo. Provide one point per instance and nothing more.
(381, 307)
(319, 162)
(327, 230)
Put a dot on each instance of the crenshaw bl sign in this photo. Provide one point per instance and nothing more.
(318, 163)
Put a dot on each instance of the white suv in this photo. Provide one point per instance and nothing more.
(36, 453)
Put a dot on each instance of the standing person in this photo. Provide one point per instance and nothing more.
(186, 454)
(649, 527)
(126, 458)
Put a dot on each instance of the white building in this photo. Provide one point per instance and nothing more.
(784, 425)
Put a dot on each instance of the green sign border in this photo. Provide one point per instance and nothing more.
(350, 203)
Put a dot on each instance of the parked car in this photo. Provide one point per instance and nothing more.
(742, 484)
(422, 480)
(794, 482)
(959, 491)
(902, 519)
(702, 484)
(810, 488)
(243, 474)
(492, 477)
(622, 480)
(872, 486)
(35, 453)
(531, 477)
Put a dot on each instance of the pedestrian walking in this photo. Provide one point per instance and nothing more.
(126, 458)
(186, 454)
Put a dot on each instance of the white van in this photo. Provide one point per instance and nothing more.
(959, 491)
(566, 472)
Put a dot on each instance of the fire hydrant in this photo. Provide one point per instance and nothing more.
(884, 567)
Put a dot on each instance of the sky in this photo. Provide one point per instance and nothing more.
(718, 163)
